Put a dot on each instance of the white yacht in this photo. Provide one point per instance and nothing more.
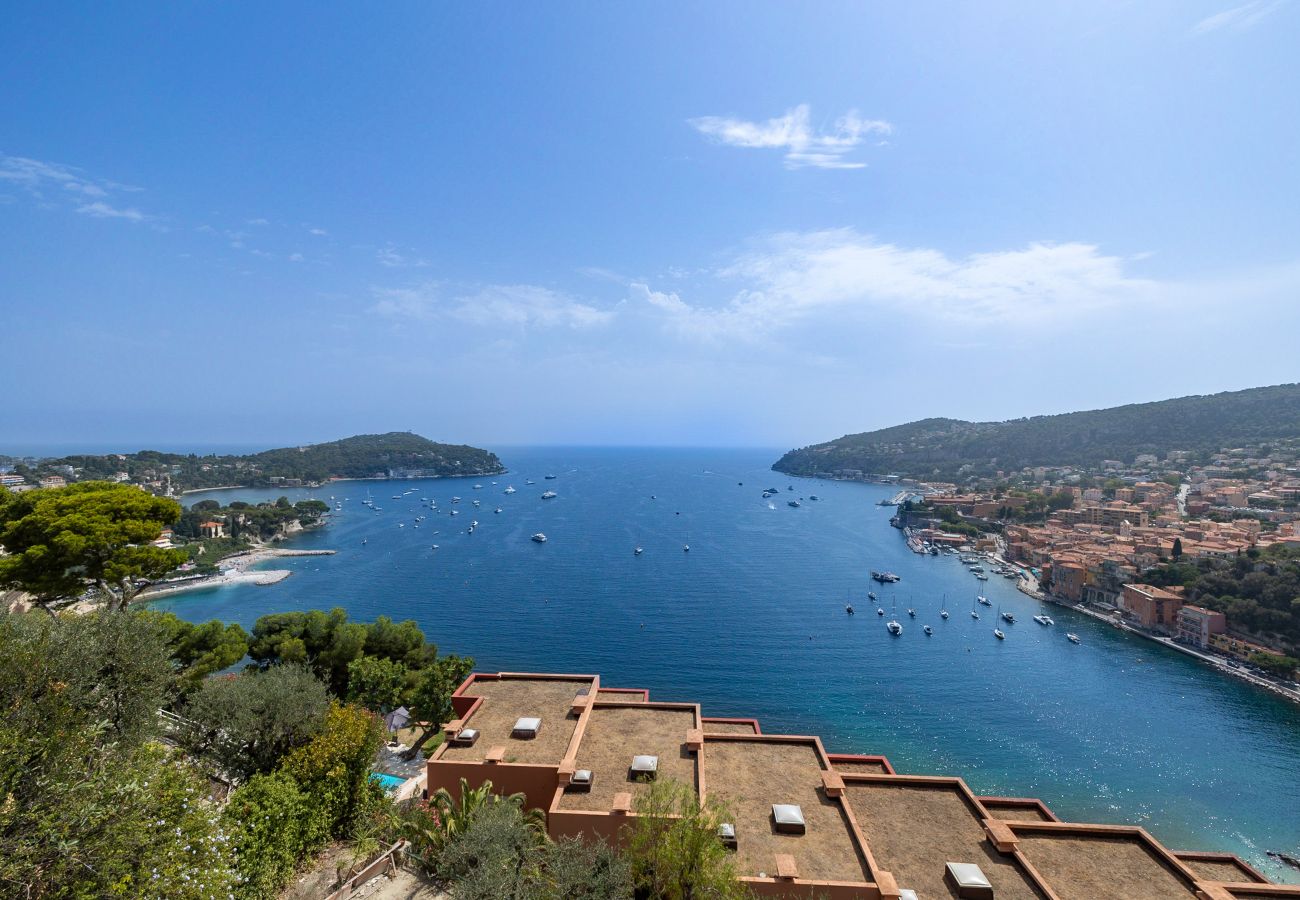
(549, 495)
(1073, 638)
(894, 628)
(509, 490)
(637, 552)
(539, 538)
(1042, 620)
(927, 629)
(997, 633)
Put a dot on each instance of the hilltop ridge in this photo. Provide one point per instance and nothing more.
(942, 448)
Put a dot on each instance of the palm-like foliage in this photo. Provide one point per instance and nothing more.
(432, 827)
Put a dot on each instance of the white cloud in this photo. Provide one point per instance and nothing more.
(319, 232)
(511, 305)
(295, 257)
(1239, 18)
(795, 277)
(56, 183)
(259, 221)
(390, 257)
(101, 210)
(794, 134)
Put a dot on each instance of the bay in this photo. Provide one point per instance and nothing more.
(751, 622)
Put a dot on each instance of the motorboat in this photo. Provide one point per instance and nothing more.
(927, 629)
(943, 613)
(984, 601)
(997, 633)
(871, 594)
(1009, 618)
(1042, 620)
(497, 510)
(551, 477)
(549, 495)
(509, 490)
(686, 548)
(911, 613)
(794, 503)
(1073, 638)
(880, 611)
(637, 552)
(539, 538)
(848, 609)
(894, 628)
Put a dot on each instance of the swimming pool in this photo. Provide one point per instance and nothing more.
(388, 782)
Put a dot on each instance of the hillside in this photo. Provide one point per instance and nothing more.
(396, 454)
(941, 448)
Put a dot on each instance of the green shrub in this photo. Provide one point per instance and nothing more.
(673, 847)
(575, 870)
(496, 857)
(265, 820)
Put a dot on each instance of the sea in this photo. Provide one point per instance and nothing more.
(751, 622)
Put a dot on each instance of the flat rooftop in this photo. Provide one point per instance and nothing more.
(915, 829)
(615, 734)
(1012, 810)
(1218, 867)
(505, 700)
(859, 767)
(738, 727)
(1088, 866)
(606, 695)
(748, 776)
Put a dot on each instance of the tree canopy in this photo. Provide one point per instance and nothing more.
(61, 542)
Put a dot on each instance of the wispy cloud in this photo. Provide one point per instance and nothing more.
(389, 256)
(790, 278)
(510, 305)
(1239, 18)
(793, 133)
(101, 210)
(318, 232)
(58, 184)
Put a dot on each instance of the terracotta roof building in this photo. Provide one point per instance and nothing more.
(805, 822)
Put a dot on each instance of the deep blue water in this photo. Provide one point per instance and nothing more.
(751, 622)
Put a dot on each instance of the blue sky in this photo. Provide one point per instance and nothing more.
(637, 223)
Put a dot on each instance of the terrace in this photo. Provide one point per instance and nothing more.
(749, 775)
(1219, 867)
(506, 700)
(915, 827)
(614, 734)
(1017, 809)
(1116, 863)
(730, 726)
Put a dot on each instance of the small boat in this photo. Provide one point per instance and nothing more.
(984, 601)
(927, 629)
(974, 615)
(794, 503)
(1010, 619)
(455, 499)
(549, 495)
(363, 542)
(551, 477)
(943, 613)
(497, 510)
(894, 628)
(981, 576)
(871, 594)
(509, 490)
(1042, 620)
(1073, 638)
(911, 613)
(637, 552)
(455, 512)
(474, 524)
(686, 548)
(880, 611)
(401, 524)
(539, 538)
(848, 609)
(434, 547)
(477, 502)
(813, 497)
(997, 633)
(478, 487)
(530, 481)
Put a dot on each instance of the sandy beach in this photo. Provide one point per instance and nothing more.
(236, 569)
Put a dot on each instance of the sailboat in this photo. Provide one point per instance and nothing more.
(943, 607)
(927, 629)
(973, 613)
(997, 633)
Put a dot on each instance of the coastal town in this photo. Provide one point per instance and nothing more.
(1093, 539)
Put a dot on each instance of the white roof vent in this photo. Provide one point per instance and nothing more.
(788, 818)
(526, 727)
(645, 767)
(969, 880)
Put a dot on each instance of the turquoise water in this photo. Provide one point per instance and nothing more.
(388, 782)
(751, 622)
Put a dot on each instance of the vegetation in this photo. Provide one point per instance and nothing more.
(61, 542)
(363, 456)
(247, 723)
(1259, 591)
(674, 849)
(951, 449)
(250, 521)
(93, 806)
